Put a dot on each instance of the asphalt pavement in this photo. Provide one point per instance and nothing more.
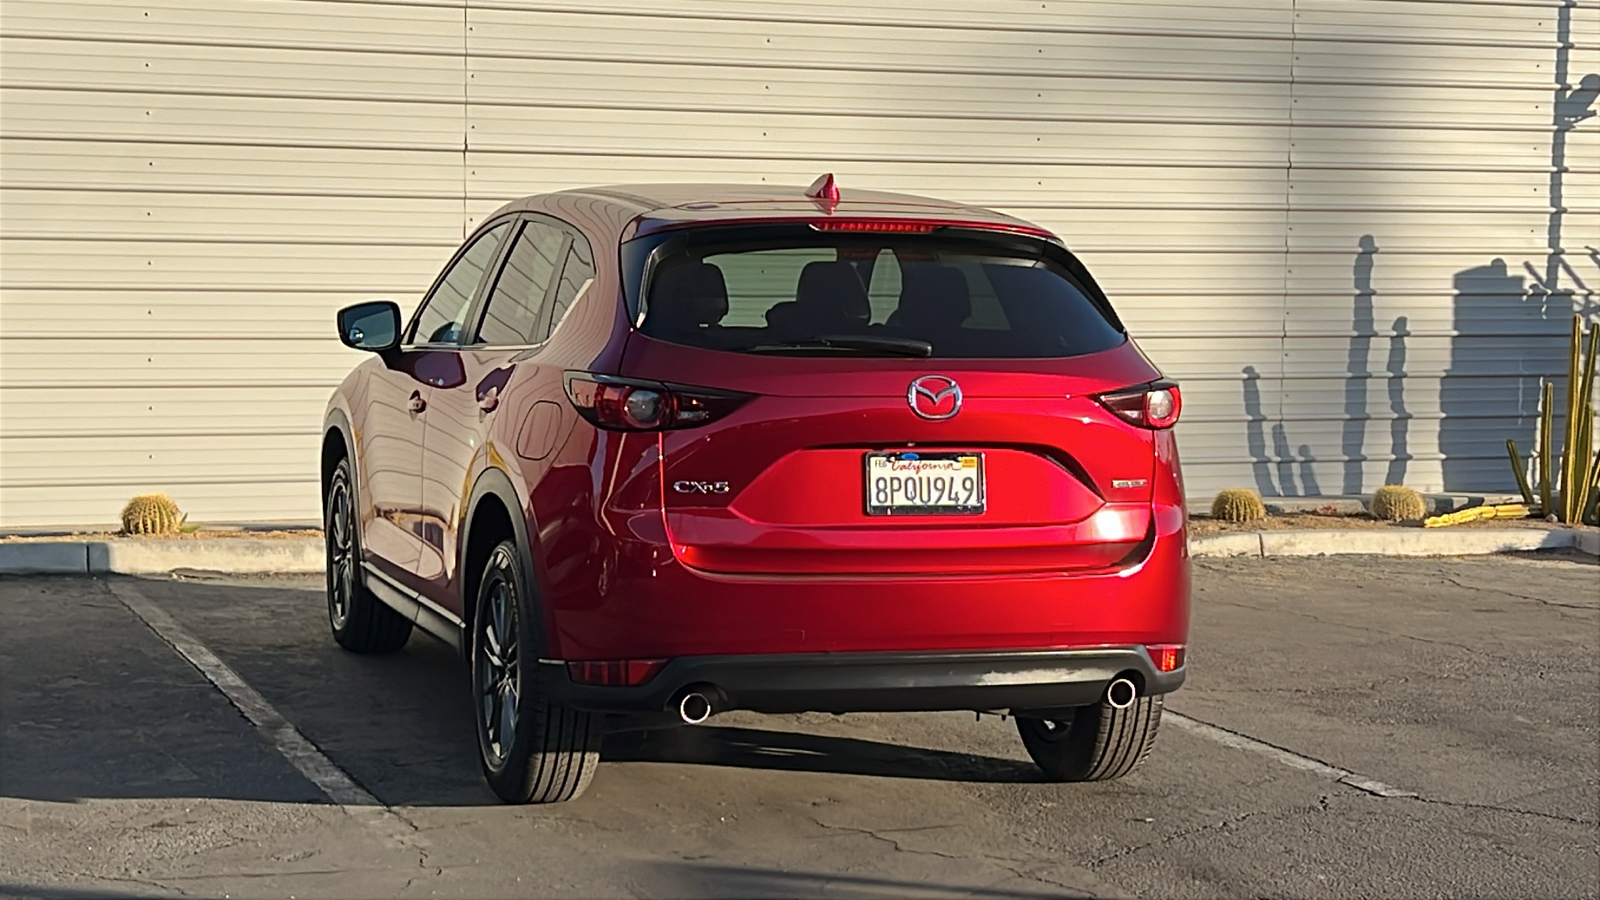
(1352, 726)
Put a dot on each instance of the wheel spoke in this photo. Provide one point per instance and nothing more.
(491, 716)
(498, 605)
(508, 717)
(491, 647)
(339, 531)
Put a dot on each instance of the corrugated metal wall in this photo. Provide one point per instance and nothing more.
(1339, 223)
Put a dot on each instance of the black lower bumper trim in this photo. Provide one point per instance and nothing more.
(877, 682)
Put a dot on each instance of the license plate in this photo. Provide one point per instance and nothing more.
(907, 483)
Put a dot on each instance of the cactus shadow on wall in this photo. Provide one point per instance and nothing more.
(1255, 426)
(1513, 335)
(1287, 481)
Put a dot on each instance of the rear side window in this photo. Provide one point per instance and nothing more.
(515, 314)
(576, 275)
(972, 295)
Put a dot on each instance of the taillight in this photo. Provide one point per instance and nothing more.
(627, 404)
(614, 672)
(1167, 657)
(1153, 405)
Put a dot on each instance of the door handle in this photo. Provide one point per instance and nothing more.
(490, 400)
(416, 404)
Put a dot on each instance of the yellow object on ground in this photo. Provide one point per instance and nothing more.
(1477, 513)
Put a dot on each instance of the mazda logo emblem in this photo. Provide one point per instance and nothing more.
(934, 397)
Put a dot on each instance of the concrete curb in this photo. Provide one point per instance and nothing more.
(1395, 542)
(239, 556)
(305, 555)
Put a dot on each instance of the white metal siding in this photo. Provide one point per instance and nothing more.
(190, 188)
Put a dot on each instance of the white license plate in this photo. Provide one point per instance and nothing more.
(917, 483)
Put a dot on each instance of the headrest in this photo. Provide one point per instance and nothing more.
(832, 291)
(689, 294)
(934, 296)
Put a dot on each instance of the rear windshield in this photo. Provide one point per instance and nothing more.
(794, 290)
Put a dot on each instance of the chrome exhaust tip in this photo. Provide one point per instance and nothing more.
(694, 708)
(1121, 693)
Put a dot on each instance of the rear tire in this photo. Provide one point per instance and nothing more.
(532, 750)
(1098, 743)
(361, 622)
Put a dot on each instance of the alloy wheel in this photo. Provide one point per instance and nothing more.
(499, 676)
(341, 553)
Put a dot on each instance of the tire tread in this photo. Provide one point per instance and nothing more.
(1102, 743)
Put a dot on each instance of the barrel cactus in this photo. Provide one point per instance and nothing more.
(1398, 503)
(1238, 505)
(151, 514)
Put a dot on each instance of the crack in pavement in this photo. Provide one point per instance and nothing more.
(1464, 804)
(1030, 876)
(291, 873)
(1340, 775)
(1362, 628)
(1476, 587)
(849, 829)
(1175, 836)
(1000, 862)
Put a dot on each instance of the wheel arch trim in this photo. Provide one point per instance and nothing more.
(336, 420)
(494, 482)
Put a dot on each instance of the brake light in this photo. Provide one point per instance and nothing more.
(1167, 657)
(614, 672)
(1154, 405)
(626, 404)
(879, 227)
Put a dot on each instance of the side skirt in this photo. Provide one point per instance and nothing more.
(429, 616)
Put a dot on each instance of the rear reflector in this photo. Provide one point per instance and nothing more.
(890, 227)
(614, 672)
(1167, 657)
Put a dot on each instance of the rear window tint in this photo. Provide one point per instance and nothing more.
(968, 296)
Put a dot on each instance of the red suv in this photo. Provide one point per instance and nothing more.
(659, 452)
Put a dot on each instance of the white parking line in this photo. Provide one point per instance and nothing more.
(290, 743)
(1289, 758)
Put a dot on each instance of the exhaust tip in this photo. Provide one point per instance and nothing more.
(1121, 693)
(694, 708)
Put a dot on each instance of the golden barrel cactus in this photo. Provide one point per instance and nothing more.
(151, 514)
(1397, 503)
(1238, 505)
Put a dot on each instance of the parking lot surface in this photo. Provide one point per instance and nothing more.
(1351, 727)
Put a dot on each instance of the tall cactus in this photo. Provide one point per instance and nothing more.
(1567, 493)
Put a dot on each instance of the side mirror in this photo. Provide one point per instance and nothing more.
(373, 325)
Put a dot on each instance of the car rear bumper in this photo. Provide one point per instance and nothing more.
(657, 608)
(877, 682)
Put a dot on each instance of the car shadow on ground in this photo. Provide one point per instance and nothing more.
(797, 751)
(97, 687)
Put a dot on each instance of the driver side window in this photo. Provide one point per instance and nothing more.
(444, 313)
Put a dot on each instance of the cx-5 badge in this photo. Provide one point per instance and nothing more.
(700, 487)
(934, 397)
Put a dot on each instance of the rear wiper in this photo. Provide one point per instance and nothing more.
(898, 346)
